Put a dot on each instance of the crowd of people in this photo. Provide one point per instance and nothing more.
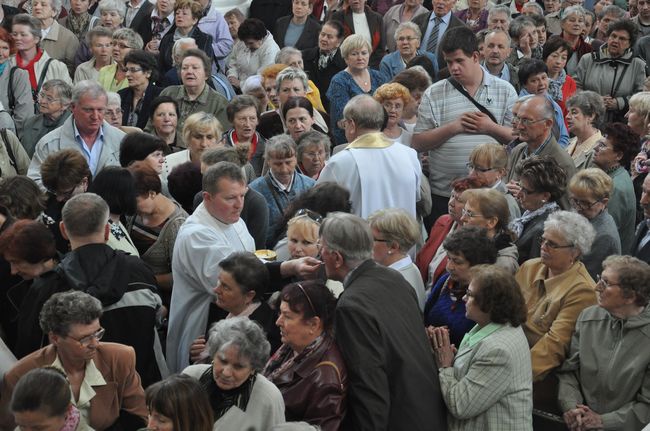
(325, 214)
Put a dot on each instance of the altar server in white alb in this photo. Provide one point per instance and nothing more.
(213, 232)
(378, 173)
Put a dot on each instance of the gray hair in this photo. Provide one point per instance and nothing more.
(280, 146)
(245, 335)
(84, 215)
(133, 39)
(572, 10)
(365, 111)
(396, 225)
(590, 103)
(311, 139)
(34, 24)
(98, 31)
(62, 88)
(499, 31)
(56, 6)
(113, 99)
(349, 235)
(64, 309)
(289, 74)
(576, 229)
(500, 9)
(534, 5)
(113, 5)
(408, 25)
(177, 49)
(87, 87)
(612, 9)
(285, 53)
(221, 170)
(518, 24)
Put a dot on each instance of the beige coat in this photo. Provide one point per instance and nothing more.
(61, 44)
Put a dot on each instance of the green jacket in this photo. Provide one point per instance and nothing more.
(607, 369)
(208, 101)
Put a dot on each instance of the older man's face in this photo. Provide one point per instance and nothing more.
(88, 113)
(291, 88)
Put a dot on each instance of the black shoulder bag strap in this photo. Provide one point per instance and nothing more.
(10, 90)
(10, 151)
(41, 80)
(464, 92)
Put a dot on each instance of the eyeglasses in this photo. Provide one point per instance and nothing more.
(63, 195)
(42, 97)
(526, 121)
(621, 38)
(550, 244)
(311, 304)
(473, 167)
(132, 69)
(583, 205)
(406, 39)
(313, 215)
(525, 191)
(600, 280)
(114, 112)
(313, 155)
(470, 214)
(85, 341)
(120, 45)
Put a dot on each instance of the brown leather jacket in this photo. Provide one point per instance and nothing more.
(315, 390)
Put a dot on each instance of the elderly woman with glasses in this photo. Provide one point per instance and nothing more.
(556, 287)
(240, 396)
(113, 77)
(609, 351)
(407, 40)
(589, 192)
(71, 322)
(308, 368)
(542, 182)
(313, 153)
(613, 155)
(395, 232)
(492, 363)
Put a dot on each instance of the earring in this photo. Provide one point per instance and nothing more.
(543, 201)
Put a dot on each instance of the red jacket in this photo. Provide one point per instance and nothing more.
(439, 232)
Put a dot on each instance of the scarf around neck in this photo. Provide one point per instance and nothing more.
(221, 400)
(555, 86)
(518, 225)
(78, 24)
(285, 358)
(72, 419)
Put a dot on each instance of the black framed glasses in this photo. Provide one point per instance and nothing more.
(313, 215)
(473, 167)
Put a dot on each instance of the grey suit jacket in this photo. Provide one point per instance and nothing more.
(63, 138)
(490, 385)
(422, 21)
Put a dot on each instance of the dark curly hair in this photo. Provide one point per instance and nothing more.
(251, 28)
(498, 295)
(323, 198)
(624, 140)
(544, 175)
(553, 44)
(311, 298)
(473, 243)
(625, 25)
(633, 277)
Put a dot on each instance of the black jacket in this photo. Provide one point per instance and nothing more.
(126, 94)
(644, 253)
(203, 41)
(322, 77)
(269, 11)
(143, 15)
(393, 378)
(307, 39)
(123, 283)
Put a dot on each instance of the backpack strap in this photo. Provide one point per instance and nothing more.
(41, 80)
(10, 90)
